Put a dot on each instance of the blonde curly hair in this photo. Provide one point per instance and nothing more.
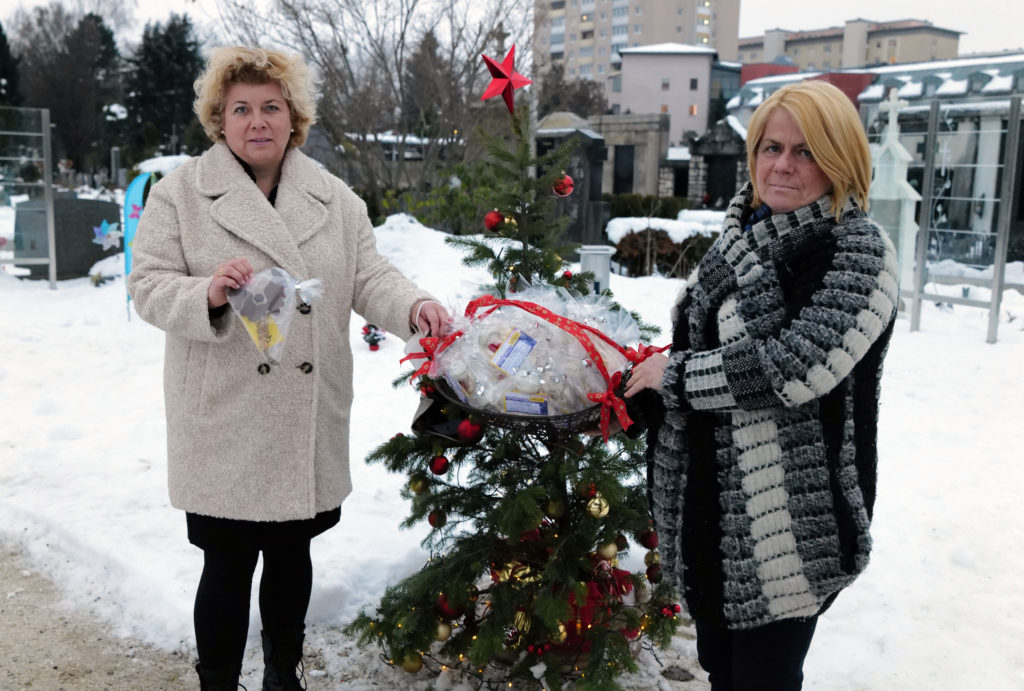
(254, 65)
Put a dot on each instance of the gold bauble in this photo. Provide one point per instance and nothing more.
(555, 509)
(559, 635)
(412, 663)
(607, 550)
(418, 484)
(652, 558)
(598, 506)
(444, 631)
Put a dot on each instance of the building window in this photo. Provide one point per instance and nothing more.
(693, 109)
(558, 4)
(616, 82)
(604, 33)
(586, 51)
(600, 69)
(796, 51)
(828, 48)
(639, 9)
(693, 83)
(664, 84)
(587, 35)
(620, 30)
(638, 28)
(826, 64)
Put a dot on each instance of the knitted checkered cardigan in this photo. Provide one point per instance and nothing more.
(762, 472)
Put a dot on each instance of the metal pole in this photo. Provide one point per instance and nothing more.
(927, 192)
(51, 232)
(1005, 214)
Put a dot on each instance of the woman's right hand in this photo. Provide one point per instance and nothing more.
(228, 276)
(646, 375)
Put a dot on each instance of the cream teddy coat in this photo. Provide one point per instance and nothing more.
(240, 444)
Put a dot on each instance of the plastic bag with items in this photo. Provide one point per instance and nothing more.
(536, 355)
(266, 305)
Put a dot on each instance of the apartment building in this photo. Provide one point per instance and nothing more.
(859, 43)
(586, 36)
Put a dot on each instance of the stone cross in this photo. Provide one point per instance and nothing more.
(893, 105)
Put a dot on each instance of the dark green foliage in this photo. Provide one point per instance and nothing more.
(159, 91)
(633, 205)
(10, 89)
(70, 65)
(515, 568)
(583, 97)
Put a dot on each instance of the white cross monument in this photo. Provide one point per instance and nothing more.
(893, 199)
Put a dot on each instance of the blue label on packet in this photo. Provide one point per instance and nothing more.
(526, 404)
(511, 355)
(456, 388)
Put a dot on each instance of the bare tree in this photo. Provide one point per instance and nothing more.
(361, 50)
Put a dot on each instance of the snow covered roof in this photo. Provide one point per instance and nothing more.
(737, 126)
(952, 87)
(162, 164)
(667, 49)
(678, 153)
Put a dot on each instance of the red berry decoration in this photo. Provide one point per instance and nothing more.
(439, 465)
(493, 219)
(563, 186)
(469, 431)
(649, 539)
(437, 518)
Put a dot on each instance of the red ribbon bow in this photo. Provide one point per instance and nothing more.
(609, 401)
(432, 346)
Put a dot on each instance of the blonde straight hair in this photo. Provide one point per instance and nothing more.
(833, 132)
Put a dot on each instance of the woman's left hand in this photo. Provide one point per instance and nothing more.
(430, 317)
(646, 375)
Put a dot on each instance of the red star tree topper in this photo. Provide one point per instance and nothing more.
(505, 80)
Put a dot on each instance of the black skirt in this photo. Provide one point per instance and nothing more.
(211, 532)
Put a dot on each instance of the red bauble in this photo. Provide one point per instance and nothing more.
(469, 431)
(447, 609)
(649, 539)
(567, 275)
(563, 186)
(654, 573)
(439, 465)
(493, 219)
(437, 518)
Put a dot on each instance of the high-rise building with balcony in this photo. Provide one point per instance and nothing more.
(585, 36)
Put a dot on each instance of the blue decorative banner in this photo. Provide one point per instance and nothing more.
(134, 199)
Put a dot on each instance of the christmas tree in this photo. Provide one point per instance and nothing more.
(529, 514)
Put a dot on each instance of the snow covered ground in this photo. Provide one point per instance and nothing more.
(82, 485)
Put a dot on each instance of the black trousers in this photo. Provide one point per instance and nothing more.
(766, 658)
(221, 614)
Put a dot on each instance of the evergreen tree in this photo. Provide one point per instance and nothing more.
(10, 91)
(71, 66)
(580, 96)
(159, 89)
(529, 515)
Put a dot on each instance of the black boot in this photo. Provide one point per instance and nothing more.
(282, 660)
(218, 679)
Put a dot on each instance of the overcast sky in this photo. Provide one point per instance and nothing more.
(987, 25)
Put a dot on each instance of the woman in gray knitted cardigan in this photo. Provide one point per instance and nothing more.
(762, 440)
